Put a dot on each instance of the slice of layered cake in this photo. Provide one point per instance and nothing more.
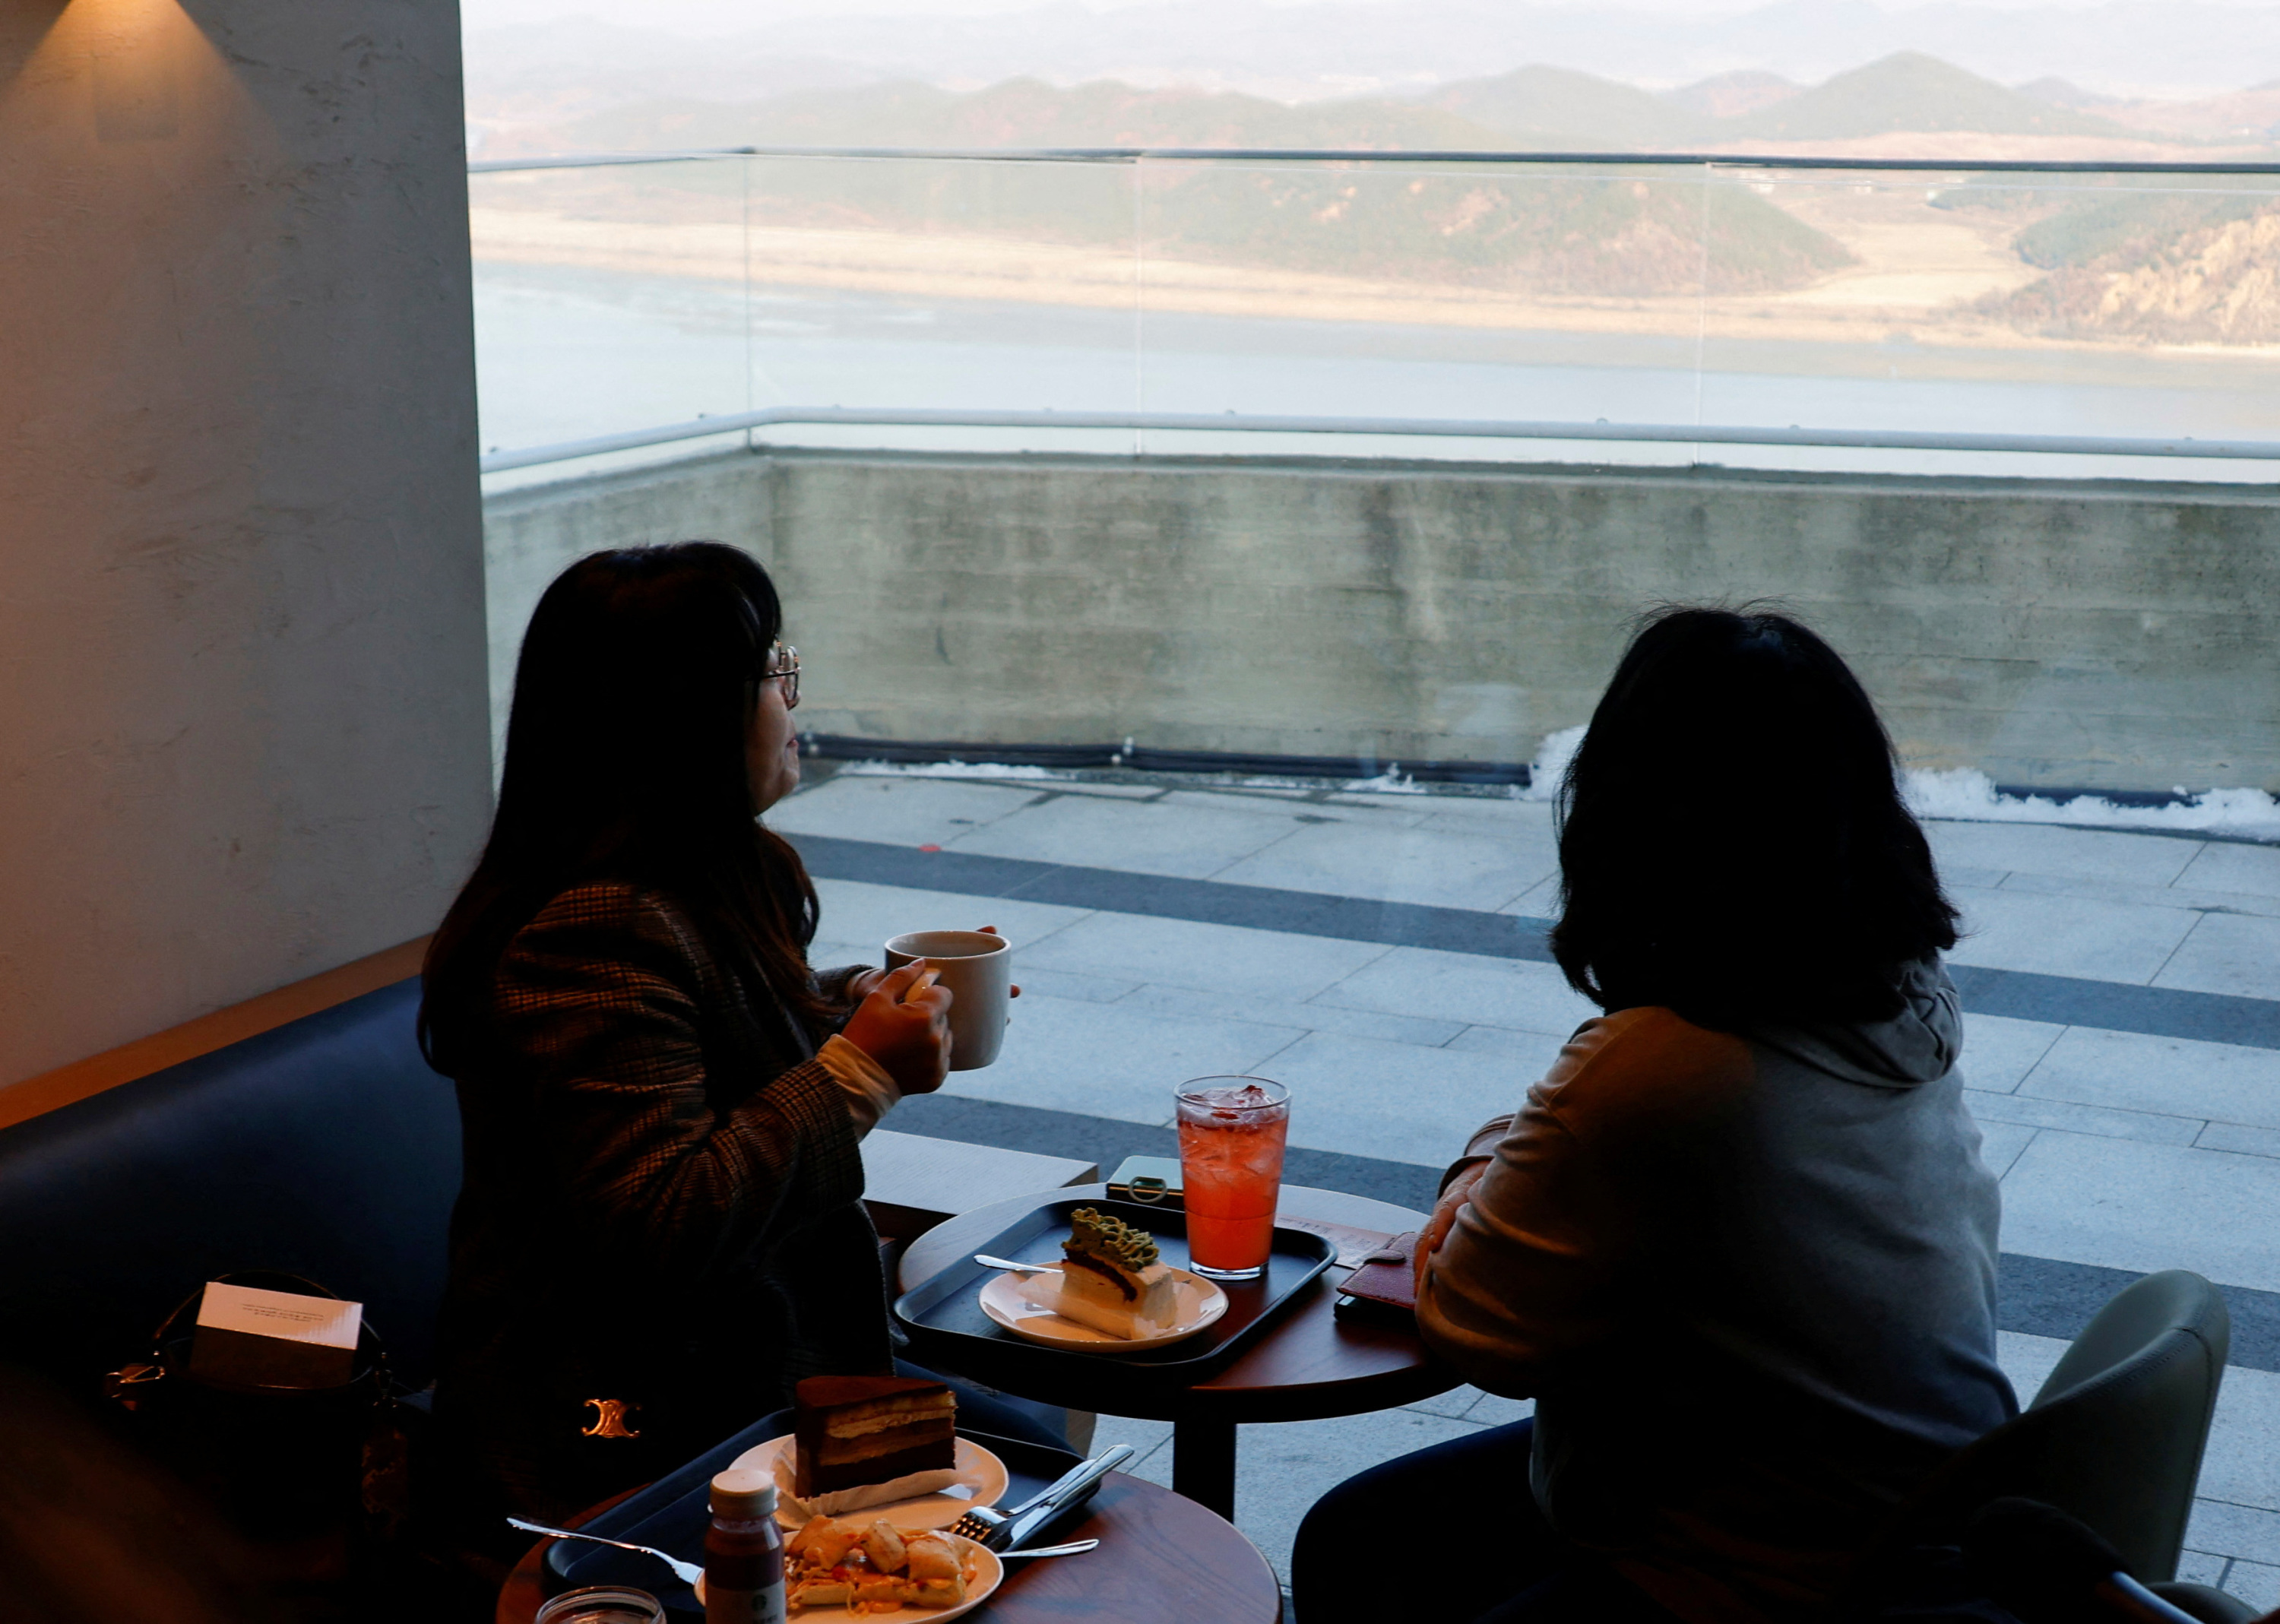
(1111, 1278)
(854, 1430)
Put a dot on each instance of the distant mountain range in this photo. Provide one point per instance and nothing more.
(2132, 51)
(2173, 264)
(1488, 229)
(1911, 91)
(1535, 108)
(1906, 91)
(1726, 95)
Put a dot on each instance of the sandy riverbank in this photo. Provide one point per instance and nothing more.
(1914, 276)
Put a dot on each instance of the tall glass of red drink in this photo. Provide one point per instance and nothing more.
(1231, 1135)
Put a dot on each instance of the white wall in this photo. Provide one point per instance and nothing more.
(242, 705)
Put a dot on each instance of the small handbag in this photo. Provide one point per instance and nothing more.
(278, 1461)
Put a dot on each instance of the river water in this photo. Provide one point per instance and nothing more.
(565, 354)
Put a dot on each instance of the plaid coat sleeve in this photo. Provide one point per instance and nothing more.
(832, 985)
(681, 1130)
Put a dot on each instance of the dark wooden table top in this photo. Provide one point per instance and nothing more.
(525, 1592)
(1307, 1366)
(1161, 1557)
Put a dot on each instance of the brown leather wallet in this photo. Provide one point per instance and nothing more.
(1385, 1285)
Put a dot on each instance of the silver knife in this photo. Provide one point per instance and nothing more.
(1073, 1486)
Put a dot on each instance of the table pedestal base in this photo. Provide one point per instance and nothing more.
(1203, 1464)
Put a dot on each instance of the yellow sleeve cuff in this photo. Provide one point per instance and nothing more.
(870, 1092)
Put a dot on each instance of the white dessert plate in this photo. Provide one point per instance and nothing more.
(1006, 1300)
(933, 1510)
(990, 1572)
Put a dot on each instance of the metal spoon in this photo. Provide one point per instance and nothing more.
(688, 1572)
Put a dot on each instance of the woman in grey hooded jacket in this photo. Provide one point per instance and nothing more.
(1739, 1244)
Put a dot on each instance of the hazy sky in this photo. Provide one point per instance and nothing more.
(2130, 48)
(714, 16)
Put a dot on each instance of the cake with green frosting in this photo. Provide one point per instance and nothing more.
(1113, 1279)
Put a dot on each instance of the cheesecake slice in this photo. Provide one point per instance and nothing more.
(1112, 1279)
(854, 1430)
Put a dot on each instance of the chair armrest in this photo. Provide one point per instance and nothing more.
(2210, 1605)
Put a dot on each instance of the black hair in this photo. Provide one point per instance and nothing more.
(626, 760)
(1733, 843)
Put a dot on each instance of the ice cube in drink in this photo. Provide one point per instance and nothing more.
(1231, 1136)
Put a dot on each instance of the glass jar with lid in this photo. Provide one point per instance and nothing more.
(603, 1604)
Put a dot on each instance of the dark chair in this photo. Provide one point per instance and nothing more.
(324, 1148)
(2114, 1437)
(2209, 1605)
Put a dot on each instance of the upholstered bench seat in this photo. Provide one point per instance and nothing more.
(324, 1148)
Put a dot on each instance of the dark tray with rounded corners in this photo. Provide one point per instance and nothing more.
(943, 1315)
(672, 1513)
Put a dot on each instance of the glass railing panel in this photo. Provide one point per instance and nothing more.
(1292, 612)
(607, 299)
(1656, 297)
(943, 285)
(2123, 305)
(1451, 291)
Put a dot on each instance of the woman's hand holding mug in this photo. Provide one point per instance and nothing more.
(904, 1024)
(866, 981)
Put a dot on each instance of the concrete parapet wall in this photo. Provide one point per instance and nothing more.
(2115, 636)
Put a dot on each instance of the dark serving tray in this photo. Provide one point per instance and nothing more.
(672, 1513)
(944, 1317)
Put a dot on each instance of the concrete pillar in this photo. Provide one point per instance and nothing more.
(242, 698)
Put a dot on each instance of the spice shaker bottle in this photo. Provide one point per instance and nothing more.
(743, 1552)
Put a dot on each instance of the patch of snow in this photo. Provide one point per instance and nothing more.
(1962, 794)
(1551, 764)
(1966, 794)
(1393, 780)
(955, 769)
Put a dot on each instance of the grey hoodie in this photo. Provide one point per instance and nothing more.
(1749, 1280)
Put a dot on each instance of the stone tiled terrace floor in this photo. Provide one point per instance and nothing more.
(2118, 1148)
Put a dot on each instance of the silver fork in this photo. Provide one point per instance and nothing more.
(982, 1521)
(688, 1572)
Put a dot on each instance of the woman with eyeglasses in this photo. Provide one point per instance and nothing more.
(659, 1230)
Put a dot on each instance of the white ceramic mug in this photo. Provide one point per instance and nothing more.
(978, 969)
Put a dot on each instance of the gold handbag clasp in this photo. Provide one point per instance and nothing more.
(610, 1416)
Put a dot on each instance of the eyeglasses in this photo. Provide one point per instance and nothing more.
(785, 664)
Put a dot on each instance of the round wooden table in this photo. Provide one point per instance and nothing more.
(1160, 1557)
(1307, 1365)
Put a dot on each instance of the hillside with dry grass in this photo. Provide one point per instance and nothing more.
(1603, 232)
(2216, 282)
(2058, 259)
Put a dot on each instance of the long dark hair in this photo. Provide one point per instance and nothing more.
(624, 760)
(1733, 844)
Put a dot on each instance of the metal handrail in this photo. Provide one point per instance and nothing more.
(1458, 428)
(1328, 155)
